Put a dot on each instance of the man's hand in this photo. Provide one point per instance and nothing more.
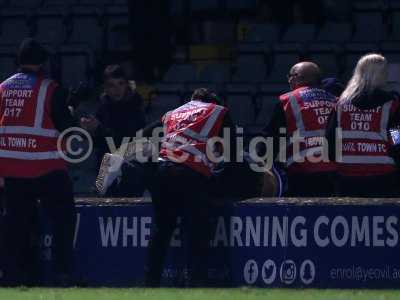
(89, 123)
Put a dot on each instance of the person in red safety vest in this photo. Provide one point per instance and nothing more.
(361, 122)
(182, 181)
(33, 112)
(187, 130)
(28, 137)
(301, 117)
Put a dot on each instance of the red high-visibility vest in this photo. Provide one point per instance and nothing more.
(307, 111)
(187, 130)
(365, 140)
(28, 138)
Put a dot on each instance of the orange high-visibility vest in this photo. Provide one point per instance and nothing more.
(365, 140)
(187, 130)
(28, 138)
(307, 111)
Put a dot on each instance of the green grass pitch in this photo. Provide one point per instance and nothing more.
(194, 294)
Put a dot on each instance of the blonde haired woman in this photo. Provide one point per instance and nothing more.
(363, 116)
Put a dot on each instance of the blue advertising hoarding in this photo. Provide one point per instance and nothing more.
(254, 243)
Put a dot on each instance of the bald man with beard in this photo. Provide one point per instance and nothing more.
(301, 116)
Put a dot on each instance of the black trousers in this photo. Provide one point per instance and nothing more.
(179, 191)
(384, 186)
(55, 193)
(311, 185)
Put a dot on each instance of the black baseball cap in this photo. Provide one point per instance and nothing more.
(31, 52)
(333, 86)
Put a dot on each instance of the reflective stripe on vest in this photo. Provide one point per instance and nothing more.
(309, 134)
(299, 120)
(381, 136)
(355, 134)
(189, 149)
(37, 130)
(303, 154)
(297, 113)
(367, 159)
(192, 138)
(196, 152)
(41, 101)
(30, 155)
(29, 130)
(303, 133)
(385, 119)
(39, 115)
(306, 132)
(350, 134)
(205, 131)
(300, 126)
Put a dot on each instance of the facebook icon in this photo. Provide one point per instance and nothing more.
(250, 272)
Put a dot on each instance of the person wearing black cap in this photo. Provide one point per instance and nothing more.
(333, 86)
(33, 112)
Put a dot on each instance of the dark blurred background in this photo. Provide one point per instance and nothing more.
(242, 49)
